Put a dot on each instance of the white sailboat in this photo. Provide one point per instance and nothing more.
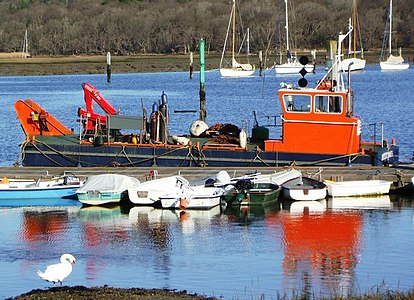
(235, 69)
(392, 62)
(353, 63)
(292, 65)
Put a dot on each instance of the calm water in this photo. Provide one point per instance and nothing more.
(237, 255)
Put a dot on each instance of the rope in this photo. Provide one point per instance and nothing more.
(329, 159)
(126, 155)
(200, 156)
(258, 150)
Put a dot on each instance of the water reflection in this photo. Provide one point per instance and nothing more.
(322, 241)
(380, 202)
(188, 220)
(308, 246)
(321, 248)
(100, 227)
(43, 223)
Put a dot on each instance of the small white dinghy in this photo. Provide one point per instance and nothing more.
(193, 197)
(149, 192)
(357, 188)
(304, 189)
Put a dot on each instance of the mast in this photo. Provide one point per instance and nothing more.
(287, 30)
(390, 16)
(248, 42)
(234, 31)
(350, 38)
(355, 27)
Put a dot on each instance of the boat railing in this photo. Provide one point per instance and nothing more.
(274, 121)
(375, 132)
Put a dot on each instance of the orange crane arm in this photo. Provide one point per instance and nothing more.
(91, 94)
(37, 121)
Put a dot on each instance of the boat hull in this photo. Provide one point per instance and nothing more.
(149, 192)
(385, 65)
(37, 193)
(193, 198)
(358, 188)
(236, 72)
(66, 151)
(99, 198)
(263, 194)
(354, 64)
(105, 188)
(292, 68)
(304, 189)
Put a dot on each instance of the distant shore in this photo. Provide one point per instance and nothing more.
(94, 64)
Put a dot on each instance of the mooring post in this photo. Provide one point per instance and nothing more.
(108, 67)
(203, 112)
(191, 65)
(260, 63)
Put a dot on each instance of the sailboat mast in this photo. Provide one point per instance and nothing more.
(349, 38)
(234, 30)
(287, 29)
(248, 41)
(355, 27)
(390, 16)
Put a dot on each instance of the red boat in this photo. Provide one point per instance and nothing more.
(318, 128)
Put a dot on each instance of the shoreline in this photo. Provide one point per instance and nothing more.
(106, 292)
(96, 64)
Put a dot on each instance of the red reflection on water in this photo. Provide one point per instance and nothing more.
(322, 247)
(39, 225)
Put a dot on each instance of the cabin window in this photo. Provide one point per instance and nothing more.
(299, 103)
(328, 104)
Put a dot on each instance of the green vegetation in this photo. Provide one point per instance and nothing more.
(129, 27)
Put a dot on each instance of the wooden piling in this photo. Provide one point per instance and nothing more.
(108, 67)
(191, 65)
(260, 63)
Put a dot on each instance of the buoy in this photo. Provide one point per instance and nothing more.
(243, 139)
(183, 203)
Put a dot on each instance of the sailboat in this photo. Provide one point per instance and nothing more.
(292, 65)
(236, 69)
(392, 62)
(353, 63)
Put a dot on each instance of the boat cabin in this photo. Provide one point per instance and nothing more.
(317, 121)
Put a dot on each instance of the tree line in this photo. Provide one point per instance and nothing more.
(129, 27)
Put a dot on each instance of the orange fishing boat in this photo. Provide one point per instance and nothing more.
(318, 127)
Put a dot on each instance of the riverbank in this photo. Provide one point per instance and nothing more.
(107, 293)
(103, 293)
(94, 64)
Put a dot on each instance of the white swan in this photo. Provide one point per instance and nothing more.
(57, 272)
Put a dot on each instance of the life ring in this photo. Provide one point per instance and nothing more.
(326, 84)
